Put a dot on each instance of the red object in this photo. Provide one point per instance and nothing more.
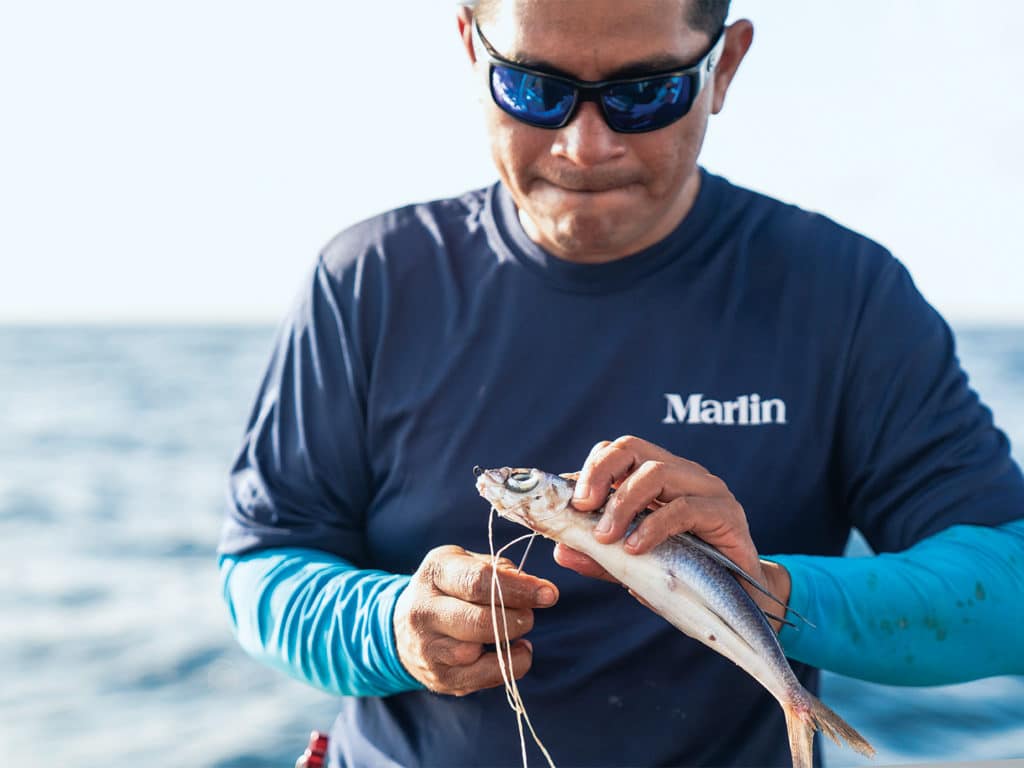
(316, 752)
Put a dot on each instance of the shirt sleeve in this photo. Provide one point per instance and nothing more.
(293, 550)
(916, 451)
(947, 610)
(925, 475)
(318, 619)
(302, 477)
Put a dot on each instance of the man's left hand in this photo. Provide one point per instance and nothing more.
(684, 497)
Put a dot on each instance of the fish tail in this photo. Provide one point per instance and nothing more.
(805, 715)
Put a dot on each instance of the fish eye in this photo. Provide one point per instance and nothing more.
(522, 481)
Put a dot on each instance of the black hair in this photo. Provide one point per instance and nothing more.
(707, 16)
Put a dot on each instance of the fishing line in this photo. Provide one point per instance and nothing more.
(512, 695)
(519, 705)
(527, 552)
(511, 691)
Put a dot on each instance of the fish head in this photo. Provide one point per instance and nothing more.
(533, 498)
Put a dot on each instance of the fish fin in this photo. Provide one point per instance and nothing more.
(573, 476)
(724, 561)
(777, 618)
(807, 715)
(802, 618)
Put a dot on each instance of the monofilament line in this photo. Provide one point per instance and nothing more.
(526, 553)
(515, 700)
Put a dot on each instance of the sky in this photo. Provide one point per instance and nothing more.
(185, 161)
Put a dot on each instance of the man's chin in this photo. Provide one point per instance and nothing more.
(585, 226)
(587, 238)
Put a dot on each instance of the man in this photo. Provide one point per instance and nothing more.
(763, 377)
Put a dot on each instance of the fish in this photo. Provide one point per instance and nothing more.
(687, 582)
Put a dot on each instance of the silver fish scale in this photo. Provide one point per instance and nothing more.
(723, 594)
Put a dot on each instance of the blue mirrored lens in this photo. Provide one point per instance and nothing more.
(647, 105)
(532, 98)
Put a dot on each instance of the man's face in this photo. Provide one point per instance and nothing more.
(584, 192)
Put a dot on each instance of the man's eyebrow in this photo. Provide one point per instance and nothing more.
(641, 68)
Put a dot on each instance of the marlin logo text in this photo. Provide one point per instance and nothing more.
(744, 410)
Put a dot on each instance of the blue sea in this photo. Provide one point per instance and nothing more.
(115, 646)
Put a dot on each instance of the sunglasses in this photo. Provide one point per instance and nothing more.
(629, 105)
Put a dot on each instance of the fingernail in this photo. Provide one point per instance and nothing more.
(527, 643)
(604, 524)
(582, 492)
(633, 540)
(545, 596)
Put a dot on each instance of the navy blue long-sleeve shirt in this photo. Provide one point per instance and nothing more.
(792, 357)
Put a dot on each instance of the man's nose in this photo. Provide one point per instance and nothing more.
(587, 140)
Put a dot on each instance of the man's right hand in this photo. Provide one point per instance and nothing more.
(443, 620)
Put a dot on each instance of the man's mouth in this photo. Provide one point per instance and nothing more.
(590, 186)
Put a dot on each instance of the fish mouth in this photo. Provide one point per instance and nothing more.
(497, 476)
(489, 479)
(490, 483)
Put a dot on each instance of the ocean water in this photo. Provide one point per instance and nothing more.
(115, 646)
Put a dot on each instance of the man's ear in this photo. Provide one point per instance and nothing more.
(738, 37)
(465, 19)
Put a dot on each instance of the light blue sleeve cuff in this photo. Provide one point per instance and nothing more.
(319, 619)
(944, 611)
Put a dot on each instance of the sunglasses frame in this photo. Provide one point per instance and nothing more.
(593, 90)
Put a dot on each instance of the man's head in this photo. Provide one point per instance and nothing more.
(585, 192)
(707, 16)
